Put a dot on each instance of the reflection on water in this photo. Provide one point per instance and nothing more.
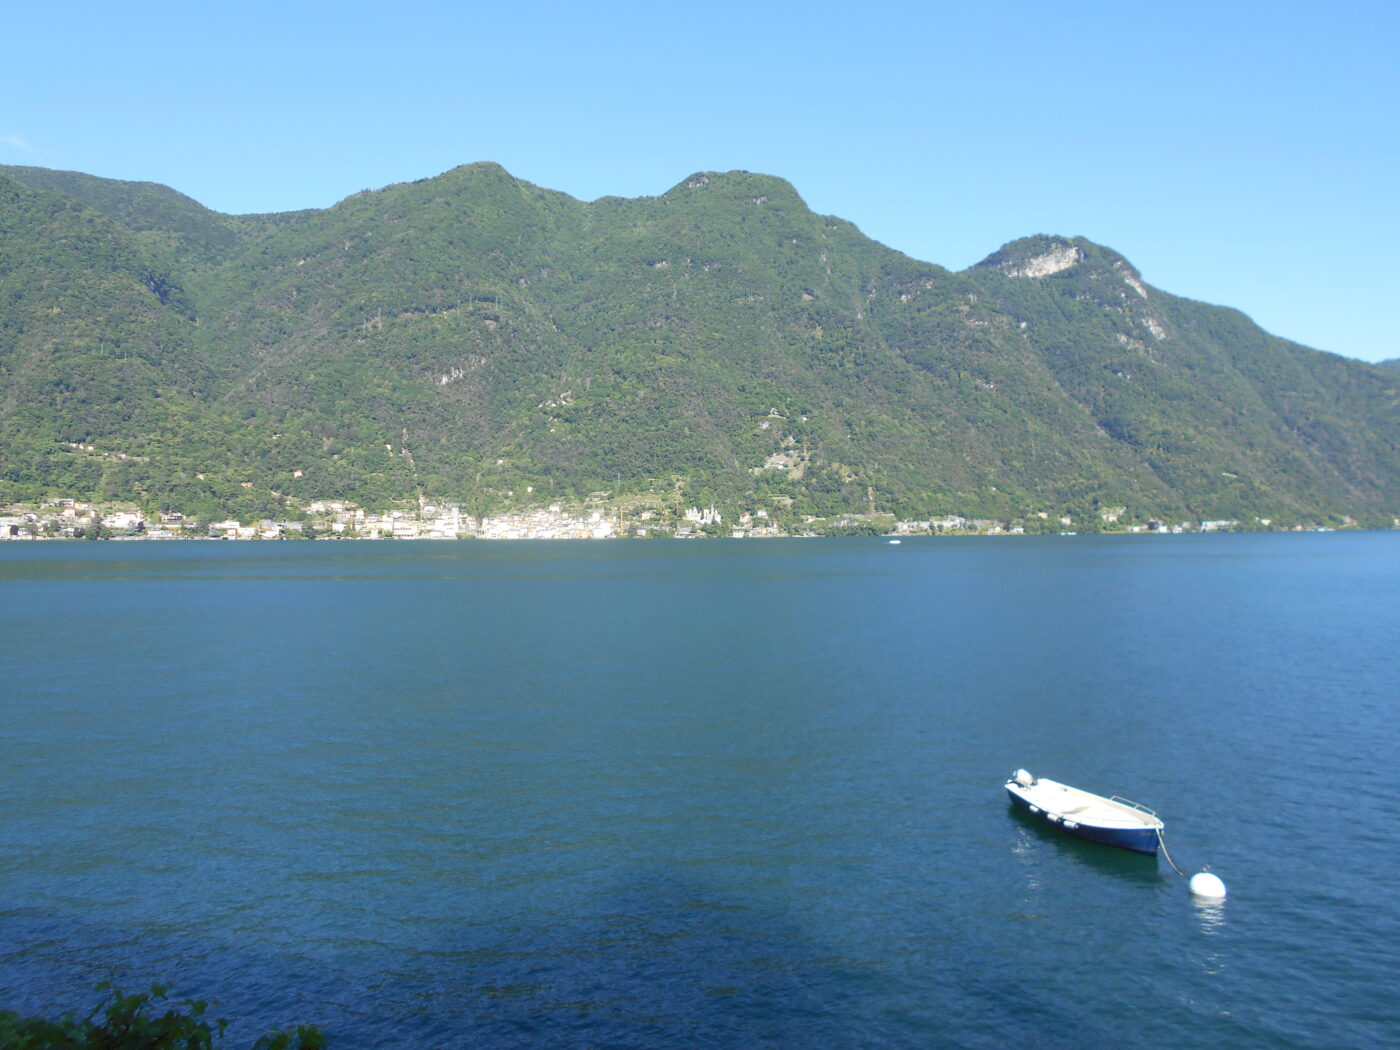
(1035, 835)
(1210, 917)
(1210, 914)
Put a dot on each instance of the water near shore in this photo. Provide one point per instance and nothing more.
(718, 794)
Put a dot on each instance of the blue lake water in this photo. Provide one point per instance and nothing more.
(724, 793)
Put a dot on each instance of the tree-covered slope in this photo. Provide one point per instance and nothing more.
(1228, 416)
(95, 347)
(158, 215)
(472, 337)
(721, 333)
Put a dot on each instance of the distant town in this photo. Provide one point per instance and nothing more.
(69, 519)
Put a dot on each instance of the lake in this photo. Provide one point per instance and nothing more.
(716, 794)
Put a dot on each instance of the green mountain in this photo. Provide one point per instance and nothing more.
(477, 339)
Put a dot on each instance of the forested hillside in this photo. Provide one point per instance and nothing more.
(476, 339)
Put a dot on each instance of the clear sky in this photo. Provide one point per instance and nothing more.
(1243, 153)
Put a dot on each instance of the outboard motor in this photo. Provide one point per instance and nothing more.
(1023, 778)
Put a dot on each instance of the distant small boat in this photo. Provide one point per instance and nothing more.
(895, 541)
(1113, 821)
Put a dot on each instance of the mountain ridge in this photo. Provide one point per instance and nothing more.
(716, 342)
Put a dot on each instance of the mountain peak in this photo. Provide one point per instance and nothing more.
(739, 185)
(1037, 256)
(480, 169)
(1043, 256)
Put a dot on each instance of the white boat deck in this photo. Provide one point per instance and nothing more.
(1084, 807)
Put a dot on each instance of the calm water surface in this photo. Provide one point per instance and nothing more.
(729, 793)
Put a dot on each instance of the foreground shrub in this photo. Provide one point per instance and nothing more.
(142, 1021)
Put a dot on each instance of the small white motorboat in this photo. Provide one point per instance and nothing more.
(1113, 821)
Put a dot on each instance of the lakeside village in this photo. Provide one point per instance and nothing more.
(338, 519)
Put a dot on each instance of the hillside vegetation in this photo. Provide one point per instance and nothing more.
(475, 339)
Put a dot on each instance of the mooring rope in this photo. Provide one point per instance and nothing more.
(1161, 841)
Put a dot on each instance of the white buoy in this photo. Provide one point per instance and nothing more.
(1204, 884)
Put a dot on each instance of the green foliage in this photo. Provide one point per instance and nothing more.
(140, 1021)
(477, 339)
(853, 528)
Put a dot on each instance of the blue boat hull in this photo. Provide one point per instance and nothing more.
(1139, 840)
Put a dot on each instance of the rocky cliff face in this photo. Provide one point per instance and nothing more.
(1060, 256)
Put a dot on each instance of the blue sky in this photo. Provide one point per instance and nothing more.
(1240, 153)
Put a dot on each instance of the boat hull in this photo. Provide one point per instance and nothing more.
(1139, 840)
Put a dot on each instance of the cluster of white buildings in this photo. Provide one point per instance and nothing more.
(551, 524)
(430, 522)
(68, 518)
